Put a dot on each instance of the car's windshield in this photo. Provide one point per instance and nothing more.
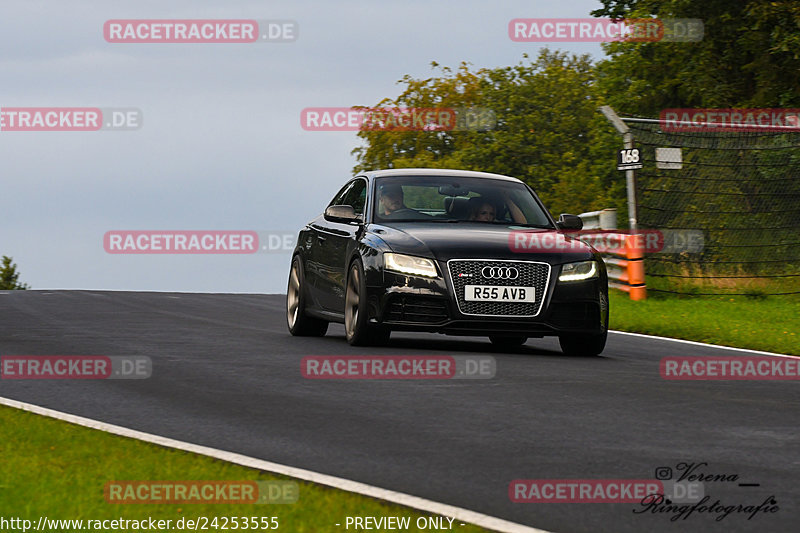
(456, 199)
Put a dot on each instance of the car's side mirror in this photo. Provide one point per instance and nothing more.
(569, 222)
(341, 213)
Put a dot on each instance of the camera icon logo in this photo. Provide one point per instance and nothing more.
(663, 473)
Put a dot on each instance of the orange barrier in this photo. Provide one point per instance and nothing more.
(626, 274)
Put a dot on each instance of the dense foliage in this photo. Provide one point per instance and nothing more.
(549, 131)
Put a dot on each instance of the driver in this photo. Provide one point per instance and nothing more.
(391, 199)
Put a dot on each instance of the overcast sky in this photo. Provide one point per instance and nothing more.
(221, 146)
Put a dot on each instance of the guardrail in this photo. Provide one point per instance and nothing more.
(605, 219)
(623, 253)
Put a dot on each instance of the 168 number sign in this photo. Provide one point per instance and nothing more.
(629, 159)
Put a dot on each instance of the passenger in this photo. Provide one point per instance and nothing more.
(484, 210)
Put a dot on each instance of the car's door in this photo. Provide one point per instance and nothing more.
(317, 251)
(334, 242)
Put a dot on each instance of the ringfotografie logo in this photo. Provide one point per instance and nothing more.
(688, 491)
(676, 492)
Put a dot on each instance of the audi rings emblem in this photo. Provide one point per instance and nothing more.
(492, 272)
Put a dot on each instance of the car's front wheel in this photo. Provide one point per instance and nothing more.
(586, 344)
(300, 324)
(356, 317)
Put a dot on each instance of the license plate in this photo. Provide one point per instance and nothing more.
(493, 293)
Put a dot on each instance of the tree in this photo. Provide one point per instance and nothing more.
(404, 149)
(749, 57)
(549, 132)
(545, 111)
(9, 276)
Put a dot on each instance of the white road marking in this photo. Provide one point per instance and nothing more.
(421, 504)
(704, 344)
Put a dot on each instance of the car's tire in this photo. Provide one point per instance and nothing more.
(507, 342)
(358, 330)
(300, 324)
(583, 344)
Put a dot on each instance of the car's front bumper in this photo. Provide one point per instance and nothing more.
(410, 303)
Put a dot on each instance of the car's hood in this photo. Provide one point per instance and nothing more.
(463, 240)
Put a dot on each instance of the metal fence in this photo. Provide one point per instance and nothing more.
(741, 189)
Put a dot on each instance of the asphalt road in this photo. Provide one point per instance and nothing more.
(226, 374)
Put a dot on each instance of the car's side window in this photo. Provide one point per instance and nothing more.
(356, 196)
(339, 199)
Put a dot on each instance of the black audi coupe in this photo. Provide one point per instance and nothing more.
(446, 251)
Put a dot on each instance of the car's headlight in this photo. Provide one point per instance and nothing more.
(408, 264)
(579, 271)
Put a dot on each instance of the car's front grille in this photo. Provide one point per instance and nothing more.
(413, 308)
(465, 272)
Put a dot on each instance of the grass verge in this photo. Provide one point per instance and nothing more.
(58, 470)
(768, 323)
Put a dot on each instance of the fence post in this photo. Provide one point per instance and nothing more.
(630, 176)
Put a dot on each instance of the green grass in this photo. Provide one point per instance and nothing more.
(766, 323)
(58, 470)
